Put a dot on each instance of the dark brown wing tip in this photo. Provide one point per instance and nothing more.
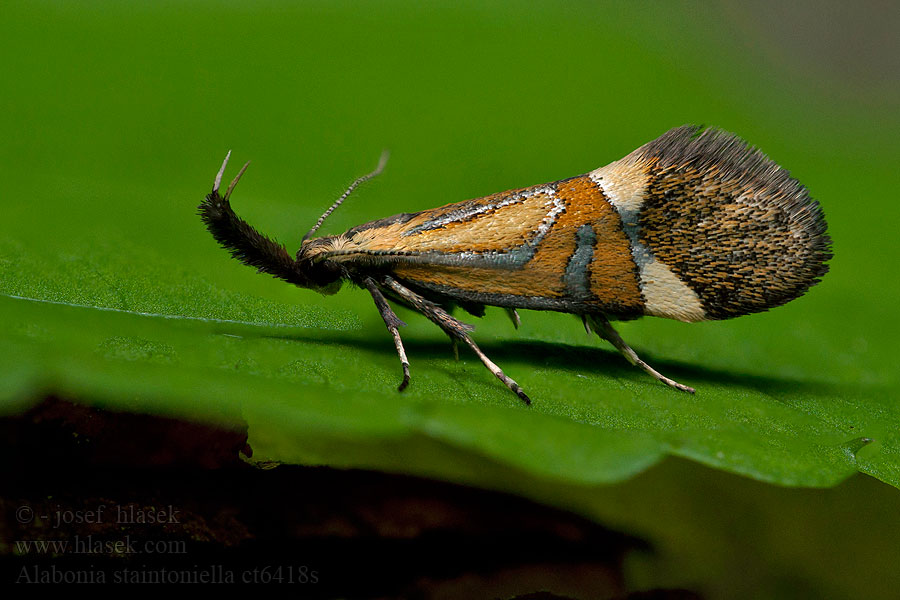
(729, 171)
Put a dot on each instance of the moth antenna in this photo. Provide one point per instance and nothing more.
(381, 163)
(221, 172)
(234, 181)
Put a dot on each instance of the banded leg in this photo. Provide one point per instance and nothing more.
(606, 331)
(457, 330)
(514, 317)
(392, 322)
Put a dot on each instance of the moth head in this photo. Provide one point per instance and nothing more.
(312, 268)
(318, 273)
(261, 252)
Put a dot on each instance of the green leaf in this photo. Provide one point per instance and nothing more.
(113, 293)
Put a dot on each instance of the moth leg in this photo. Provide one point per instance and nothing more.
(606, 331)
(457, 330)
(587, 325)
(498, 373)
(514, 317)
(392, 322)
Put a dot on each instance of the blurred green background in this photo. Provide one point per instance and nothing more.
(114, 118)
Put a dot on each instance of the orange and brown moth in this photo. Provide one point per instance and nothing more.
(695, 225)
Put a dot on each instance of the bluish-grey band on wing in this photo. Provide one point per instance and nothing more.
(564, 304)
(578, 276)
(639, 251)
(510, 259)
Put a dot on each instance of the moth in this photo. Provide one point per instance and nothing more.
(695, 225)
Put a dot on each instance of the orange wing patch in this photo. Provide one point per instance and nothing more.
(611, 272)
(491, 224)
